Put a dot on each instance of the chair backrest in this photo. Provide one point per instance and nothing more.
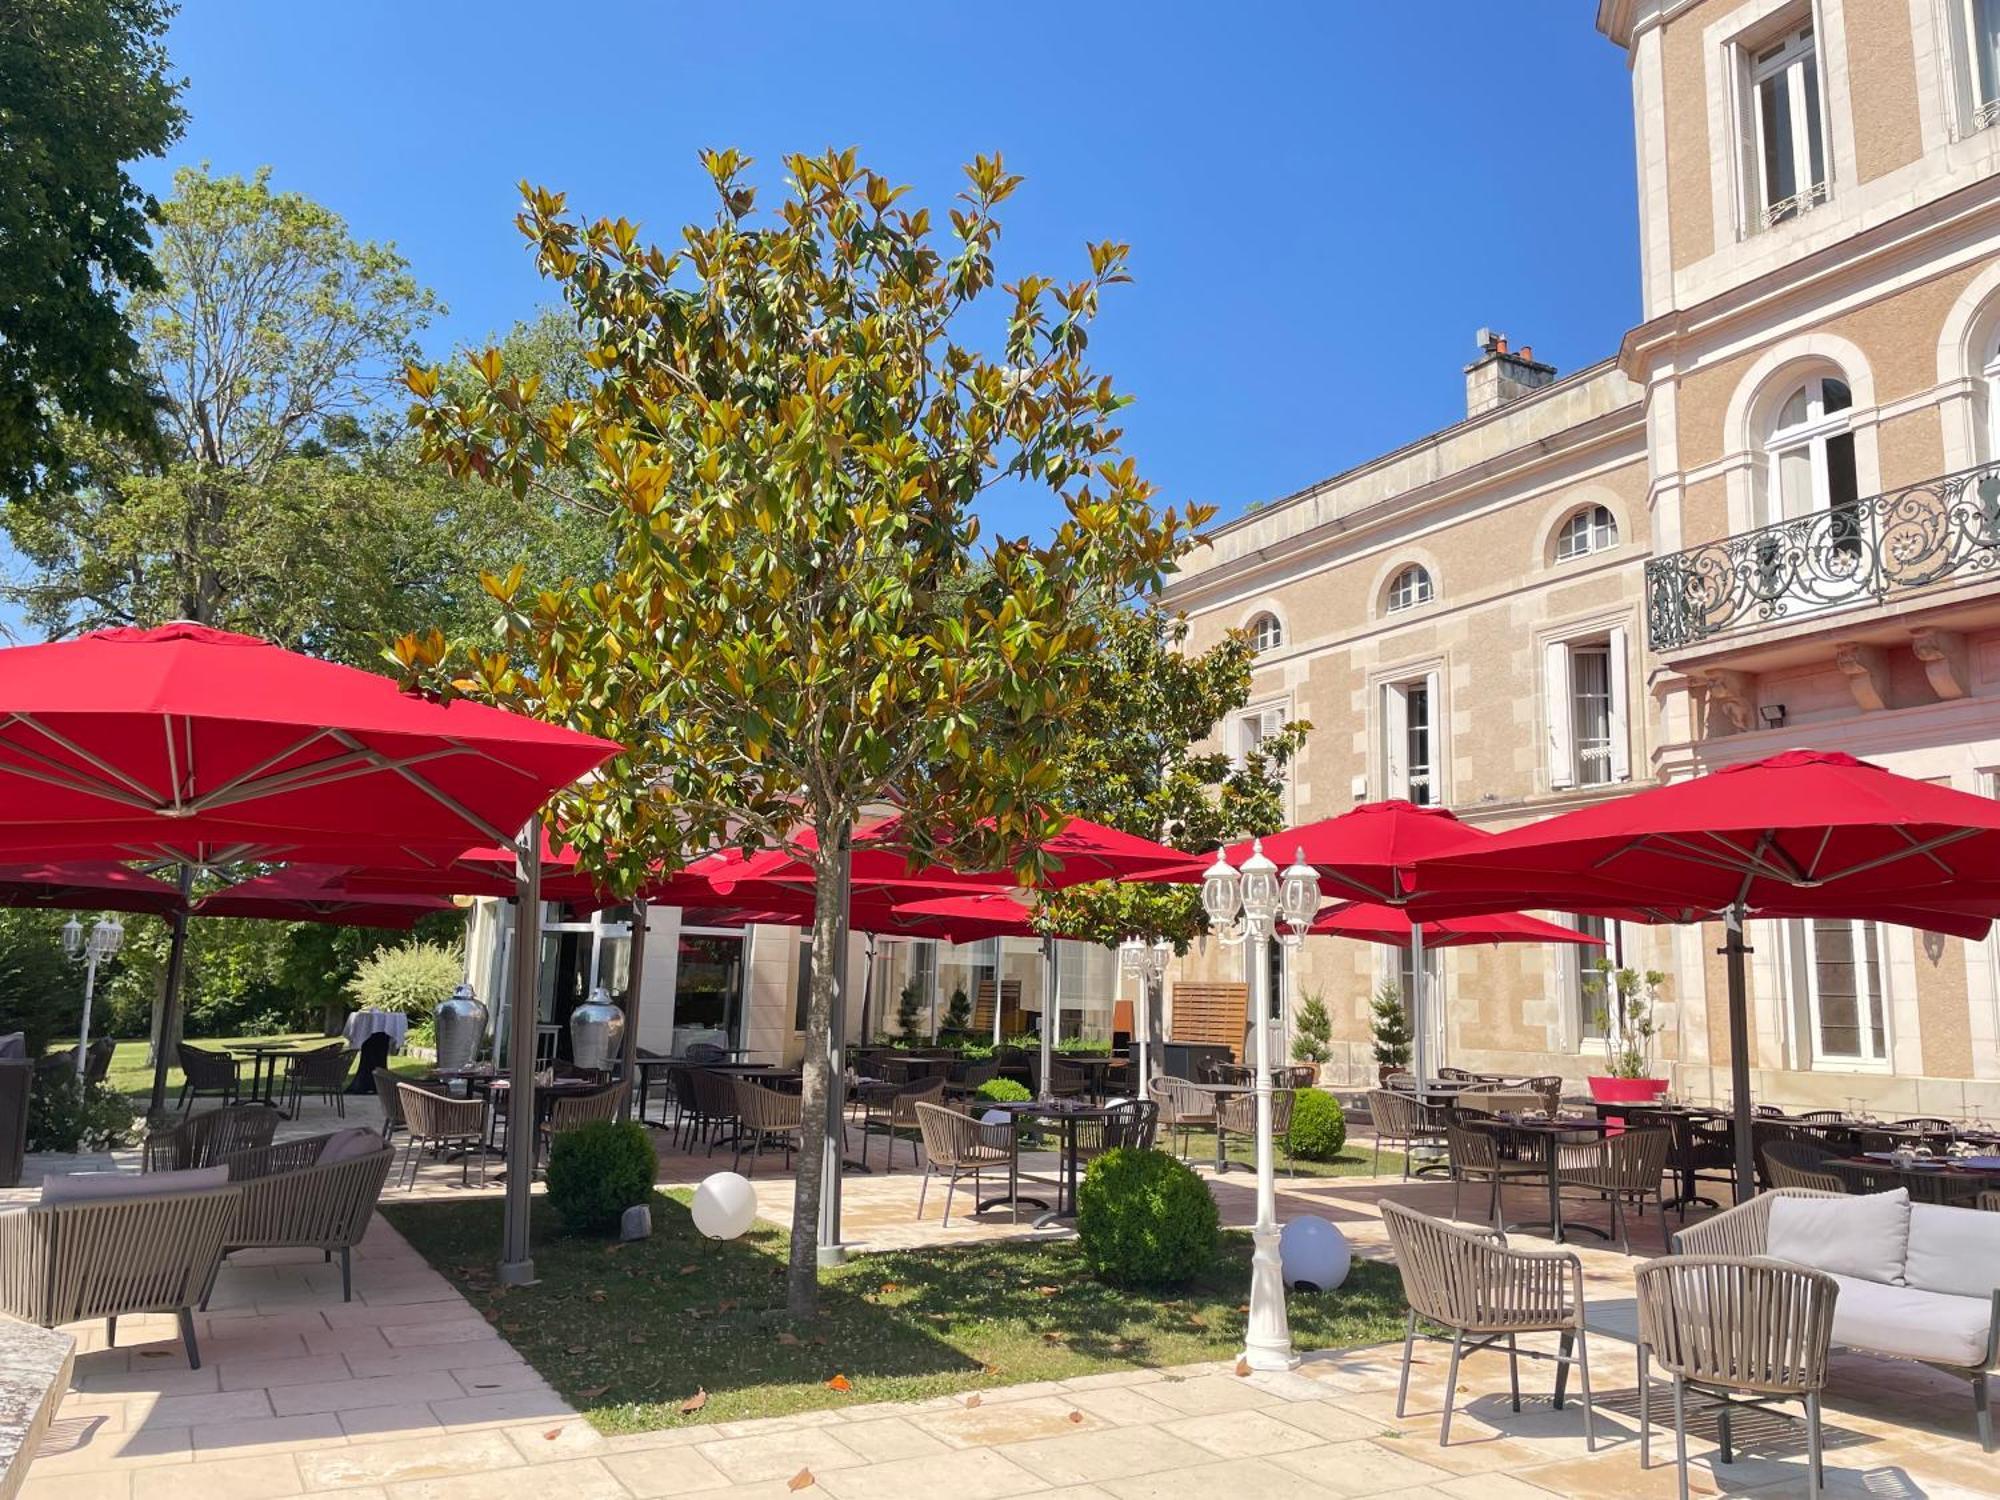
(761, 1108)
(953, 1139)
(434, 1117)
(386, 1089)
(1796, 1163)
(1297, 1075)
(1468, 1279)
(97, 1061)
(1549, 1086)
(572, 1110)
(1396, 1116)
(1180, 1101)
(714, 1097)
(1454, 1075)
(375, 1050)
(104, 1257)
(1132, 1122)
(204, 1069)
(1747, 1323)
(705, 1052)
(1769, 1112)
(1471, 1150)
(1822, 1116)
(903, 1107)
(325, 1067)
(203, 1139)
(971, 1075)
(1637, 1159)
(1990, 1202)
(1402, 1083)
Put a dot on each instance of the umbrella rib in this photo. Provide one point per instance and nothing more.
(220, 796)
(1927, 850)
(58, 775)
(111, 773)
(442, 798)
(361, 762)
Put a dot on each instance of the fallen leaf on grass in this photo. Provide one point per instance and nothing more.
(1242, 1366)
(803, 1480)
(591, 1392)
(1049, 1291)
(689, 1270)
(889, 1287)
(597, 1295)
(694, 1403)
(839, 1383)
(787, 1339)
(1054, 1337)
(510, 1327)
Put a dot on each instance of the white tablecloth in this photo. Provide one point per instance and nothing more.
(365, 1023)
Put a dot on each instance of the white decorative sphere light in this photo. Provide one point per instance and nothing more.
(1315, 1254)
(725, 1205)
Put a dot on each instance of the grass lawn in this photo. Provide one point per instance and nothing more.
(132, 1074)
(1357, 1158)
(629, 1333)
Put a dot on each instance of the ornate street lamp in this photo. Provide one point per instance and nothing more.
(1146, 962)
(104, 939)
(1251, 906)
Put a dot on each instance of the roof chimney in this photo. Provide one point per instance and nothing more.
(1501, 375)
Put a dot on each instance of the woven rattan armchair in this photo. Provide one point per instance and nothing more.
(386, 1084)
(1184, 1107)
(1295, 1076)
(959, 1146)
(765, 1117)
(323, 1072)
(1130, 1122)
(291, 1199)
(895, 1112)
(1796, 1164)
(1454, 1075)
(1236, 1114)
(1549, 1086)
(442, 1122)
(1475, 1157)
(1469, 1283)
(206, 1074)
(1735, 1331)
(1067, 1080)
(1990, 1202)
(1493, 1101)
(1400, 1121)
(567, 1111)
(1819, 1116)
(1624, 1169)
(105, 1258)
(203, 1139)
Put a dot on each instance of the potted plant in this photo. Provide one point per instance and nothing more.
(1312, 1032)
(1391, 1030)
(1628, 1019)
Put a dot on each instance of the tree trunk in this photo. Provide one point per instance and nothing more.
(802, 1280)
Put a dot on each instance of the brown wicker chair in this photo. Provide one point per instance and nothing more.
(386, 1086)
(895, 1112)
(1184, 1107)
(1550, 1087)
(1735, 1331)
(1990, 1202)
(440, 1122)
(104, 1258)
(960, 1146)
(1469, 1283)
(1400, 1121)
(205, 1138)
(1819, 1116)
(1495, 1101)
(323, 1072)
(765, 1117)
(1236, 1114)
(1475, 1157)
(714, 1100)
(292, 1199)
(1796, 1164)
(1132, 1122)
(1627, 1168)
(1454, 1075)
(1067, 1080)
(205, 1073)
(567, 1111)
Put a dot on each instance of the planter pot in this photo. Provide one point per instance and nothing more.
(1385, 1071)
(1627, 1090)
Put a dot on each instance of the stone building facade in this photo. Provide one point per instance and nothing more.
(1772, 518)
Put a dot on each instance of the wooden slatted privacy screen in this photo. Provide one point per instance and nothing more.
(1011, 1021)
(1215, 1013)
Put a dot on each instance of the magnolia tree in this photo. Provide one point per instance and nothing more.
(792, 419)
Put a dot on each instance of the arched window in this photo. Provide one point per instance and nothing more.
(1266, 634)
(1810, 452)
(1992, 395)
(1409, 588)
(1592, 529)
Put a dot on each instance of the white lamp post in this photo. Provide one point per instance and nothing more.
(1246, 907)
(103, 940)
(1146, 962)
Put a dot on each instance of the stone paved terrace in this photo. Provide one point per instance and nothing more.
(408, 1394)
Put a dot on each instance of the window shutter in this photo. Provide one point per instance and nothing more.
(1621, 750)
(1395, 741)
(1435, 739)
(1557, 709)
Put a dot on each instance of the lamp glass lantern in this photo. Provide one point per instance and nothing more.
(1298, 894)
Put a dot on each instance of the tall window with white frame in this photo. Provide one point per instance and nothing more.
(1981, 21)
(1585, 696)
(1254, 727)
(1990, 394)
(1839, 967)
(1590, 990)
(1786, 139)
(1409, 720)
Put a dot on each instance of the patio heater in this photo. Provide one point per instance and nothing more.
(1246, 907)
(102, 942)
(1146, 962)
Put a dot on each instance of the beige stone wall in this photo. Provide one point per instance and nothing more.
(1946, 1023)
(1690, 155)
(1882, 83)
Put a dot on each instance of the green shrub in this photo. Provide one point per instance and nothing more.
(1083, 1046)
(65, 1116)
(958, 1014)
(1003, 1091)
(597, 1171)
(1319, 1128)
(414, 978)
(1313, 1028)
(1144, 1219)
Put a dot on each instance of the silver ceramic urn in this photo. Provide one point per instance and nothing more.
(596, 1032)
(461, 1027)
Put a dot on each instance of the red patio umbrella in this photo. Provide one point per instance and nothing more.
(319, 893)
(1376, 922)
(1802, 834)
(86, 885)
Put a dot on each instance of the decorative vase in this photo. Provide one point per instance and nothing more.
(1626, 1090)
(461, 1027)
(596, 1033)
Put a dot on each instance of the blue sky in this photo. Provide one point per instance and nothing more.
(1324, 200)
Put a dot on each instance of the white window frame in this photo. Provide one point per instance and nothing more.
(1422, 588)
(1795, 54)
(1802, 946)
(1819, 427)
(1424, 785)
(1254, 725)
(1565, 765)
(1979, 45)
(1577, 977)
(1267, 633)
(1990, 374)
(1597, 532)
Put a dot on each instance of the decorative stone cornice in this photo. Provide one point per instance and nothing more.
(1943, 654)
(1867, 669)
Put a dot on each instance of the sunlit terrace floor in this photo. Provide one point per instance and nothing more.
(408, 1393)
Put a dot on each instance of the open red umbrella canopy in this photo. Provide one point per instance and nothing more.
(197, 743)
(1376, 922)
(319, 893)
(1367, 852)
(86, 885)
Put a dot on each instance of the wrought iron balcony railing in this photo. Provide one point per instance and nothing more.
(1942, 529)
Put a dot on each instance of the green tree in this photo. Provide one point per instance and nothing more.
(910, 1008)
(84, 89)
(1313, 1028)
(1390, 1026)
(791, 424)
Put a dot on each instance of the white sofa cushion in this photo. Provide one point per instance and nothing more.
(1866, 1237)
(345, 1145)
(1912, 1324)
(79, 1187)
(1954, 1250)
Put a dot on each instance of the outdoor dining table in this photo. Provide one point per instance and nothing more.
(1929, 1179)
(1544, 1135)
(264, 1058)
(1684, 1155)
(1067, 1114)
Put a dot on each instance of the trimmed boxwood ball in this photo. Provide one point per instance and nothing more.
(1319, 1128)
(1144, 1219)
(597, 1171)
(1003, 1091)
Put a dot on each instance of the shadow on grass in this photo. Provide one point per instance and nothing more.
(629, 1333)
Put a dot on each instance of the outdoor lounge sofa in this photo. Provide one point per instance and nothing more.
(1918, 1281)
(316, 1193)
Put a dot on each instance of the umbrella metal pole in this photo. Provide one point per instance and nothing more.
(1267, 1342)
(1419, 1022)
(635, 973)
(1734, 950)
(1146, 1008)
(868, 989)
(517, 1262)
(834, 1154)
(83, 1032)
(171, 996)
(1049, 1012)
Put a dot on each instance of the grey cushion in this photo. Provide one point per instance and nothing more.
(1867, 1237)
(82, 1187)
(345, 1145)
(1912, 1324)
(1954, 1250)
